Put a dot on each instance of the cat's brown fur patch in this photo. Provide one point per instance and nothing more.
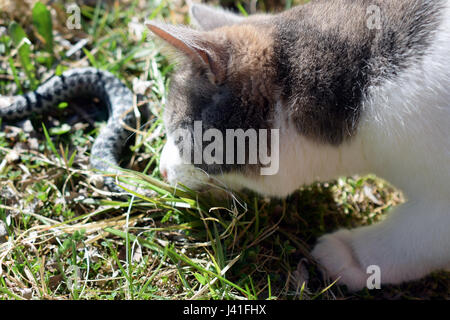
(251, 68)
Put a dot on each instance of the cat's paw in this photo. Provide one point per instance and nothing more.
(334, 253)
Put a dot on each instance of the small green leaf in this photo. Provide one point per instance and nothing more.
(201, 278)
(59, 70)
(63, 105)
(57, 131)
(42, 196)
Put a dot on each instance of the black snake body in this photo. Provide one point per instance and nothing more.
(82, 82)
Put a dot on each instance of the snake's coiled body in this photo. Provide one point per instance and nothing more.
(82, 82)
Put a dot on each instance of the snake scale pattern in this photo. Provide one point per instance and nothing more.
(82, 82)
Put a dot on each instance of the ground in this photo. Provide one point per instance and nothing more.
(68, 240)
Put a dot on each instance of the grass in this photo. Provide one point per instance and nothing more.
(68, 240)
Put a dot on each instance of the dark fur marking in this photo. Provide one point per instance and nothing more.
(220, 107)
(326, 64)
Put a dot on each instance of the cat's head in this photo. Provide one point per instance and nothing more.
(224, 84)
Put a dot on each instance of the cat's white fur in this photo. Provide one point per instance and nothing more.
(404, 137)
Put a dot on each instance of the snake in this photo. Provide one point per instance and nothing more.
(83, 82)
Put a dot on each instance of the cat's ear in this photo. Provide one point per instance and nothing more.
(208, 18)
(196, 45)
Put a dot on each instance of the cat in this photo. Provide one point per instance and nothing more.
(354, 87)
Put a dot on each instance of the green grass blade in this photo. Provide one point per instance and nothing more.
(15, 75)
(23, 46)
(49, 141)
(42, 20)
(91, 58)
(242, 9)
(176, 257)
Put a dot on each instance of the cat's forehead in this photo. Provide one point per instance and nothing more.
(247, 40)
(248, 60)
(251, 60)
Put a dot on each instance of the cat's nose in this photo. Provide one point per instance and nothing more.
(168, 156)
(164, 173)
